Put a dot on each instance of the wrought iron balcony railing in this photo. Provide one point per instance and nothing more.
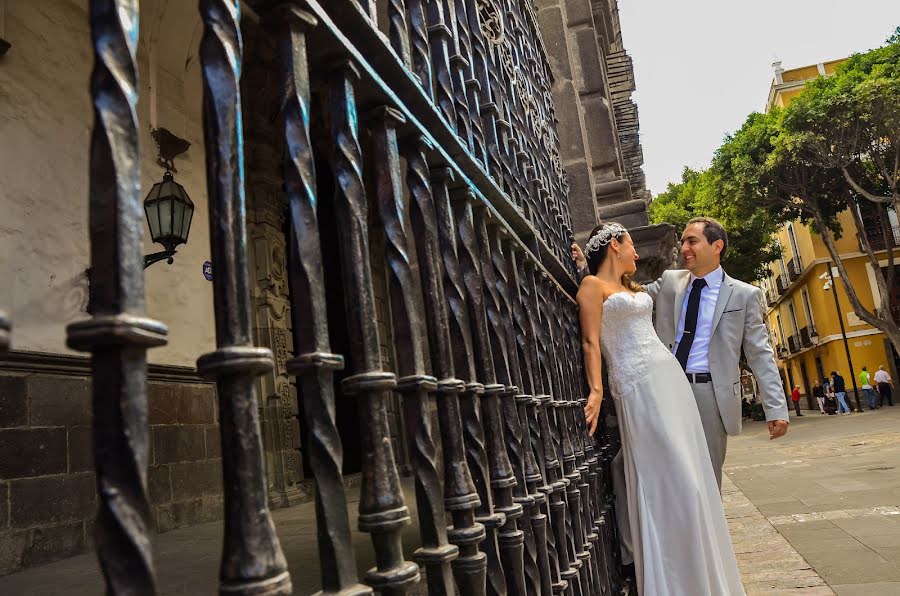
(782, 284)
(795, 268)
(876, 237)
(806, 335)
(794, 343)
(438, 136)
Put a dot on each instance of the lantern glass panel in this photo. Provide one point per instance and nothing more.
(178, 218)
(188, 216)
(165, 217)
(152, 210)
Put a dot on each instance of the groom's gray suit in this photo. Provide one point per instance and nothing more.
(737, 323)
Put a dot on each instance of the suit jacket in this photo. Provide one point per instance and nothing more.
(737, 322)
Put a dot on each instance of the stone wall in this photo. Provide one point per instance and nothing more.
(47, 483)
(45, 122)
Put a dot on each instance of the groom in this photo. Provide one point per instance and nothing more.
(705, 317)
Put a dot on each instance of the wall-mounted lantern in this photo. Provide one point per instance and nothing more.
(168, 207)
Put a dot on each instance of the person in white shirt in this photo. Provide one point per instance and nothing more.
(885, 386)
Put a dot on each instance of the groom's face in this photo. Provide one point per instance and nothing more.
(698, 254)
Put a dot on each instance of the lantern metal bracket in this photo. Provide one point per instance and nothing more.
(159, 256)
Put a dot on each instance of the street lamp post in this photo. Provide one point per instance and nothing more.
(829, 285)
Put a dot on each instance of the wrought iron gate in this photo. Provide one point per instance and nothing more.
(440, 122)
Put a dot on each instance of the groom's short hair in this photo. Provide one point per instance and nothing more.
(713, 230)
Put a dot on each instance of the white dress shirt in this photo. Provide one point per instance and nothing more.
(882, 376)
(698, 359)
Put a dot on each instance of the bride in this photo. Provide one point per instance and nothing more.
(678, 527)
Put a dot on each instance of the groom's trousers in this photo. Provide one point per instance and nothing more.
(713, 428)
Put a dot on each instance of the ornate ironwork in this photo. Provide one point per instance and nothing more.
(416, 387)
(458, 169)
(314, 364)
(467, 533)
(382, 510)
(117, 335)
(252, 560)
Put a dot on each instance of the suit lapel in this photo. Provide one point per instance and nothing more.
(680, 290)
(721, 301)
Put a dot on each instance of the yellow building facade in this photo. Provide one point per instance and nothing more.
(804, 321)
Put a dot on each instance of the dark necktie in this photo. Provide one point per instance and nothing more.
(690, 323)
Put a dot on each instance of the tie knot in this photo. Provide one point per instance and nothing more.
(700, 283)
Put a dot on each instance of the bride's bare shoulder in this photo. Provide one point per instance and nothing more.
(593, 290)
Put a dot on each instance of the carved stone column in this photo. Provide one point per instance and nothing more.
(266, 231)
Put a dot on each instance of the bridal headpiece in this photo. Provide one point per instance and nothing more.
(604, 236)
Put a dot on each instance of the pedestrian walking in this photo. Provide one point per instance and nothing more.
(866, 382)
(840, 392)
(795, 397)
(885, 386)
(819, 394)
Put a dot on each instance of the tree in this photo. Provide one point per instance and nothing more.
(767, 165)
(850, 123)
(750, 228)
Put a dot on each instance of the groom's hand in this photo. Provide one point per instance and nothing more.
(777, 428)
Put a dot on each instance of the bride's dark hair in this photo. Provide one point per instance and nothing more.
(595, 258)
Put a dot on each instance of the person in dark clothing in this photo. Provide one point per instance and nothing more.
(840, 392)
(819, 394)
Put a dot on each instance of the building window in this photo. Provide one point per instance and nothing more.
(807, 307)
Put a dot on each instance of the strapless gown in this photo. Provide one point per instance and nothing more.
(678, 528)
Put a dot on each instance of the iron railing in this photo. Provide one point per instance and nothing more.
(876, 237)
(794, 343)
(806, 335)
(795, 268)
(464, 179)
(782, 284)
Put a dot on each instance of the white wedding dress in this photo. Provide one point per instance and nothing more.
(678, 527)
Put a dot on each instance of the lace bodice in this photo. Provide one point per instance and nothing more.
(628, 338)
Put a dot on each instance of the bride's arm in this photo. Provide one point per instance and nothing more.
(590, 313)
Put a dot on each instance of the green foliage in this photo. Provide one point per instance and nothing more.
(750, 229)
(850, 122)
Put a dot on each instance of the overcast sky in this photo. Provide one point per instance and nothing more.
(703, 65)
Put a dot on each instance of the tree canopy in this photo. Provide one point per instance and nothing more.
(750, 229)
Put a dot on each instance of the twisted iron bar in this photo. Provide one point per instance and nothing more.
(460, 496)
(382, 510)
(117, 335)
(420, 49)
(516, 431)
(502, 480)
(415, 386)
(455, 287)
(252, 560)
(314, 364)
(440, 38)
(398, 30)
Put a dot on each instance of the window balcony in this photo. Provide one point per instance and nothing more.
(794, 344)
(806, 336)
(782, 284)
(795, 268)
(771, 298)
(876, 238)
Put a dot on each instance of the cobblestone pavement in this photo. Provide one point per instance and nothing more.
(815, 513)
(818, 512)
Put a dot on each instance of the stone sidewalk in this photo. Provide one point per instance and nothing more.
(831, 491)
(815, 513)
